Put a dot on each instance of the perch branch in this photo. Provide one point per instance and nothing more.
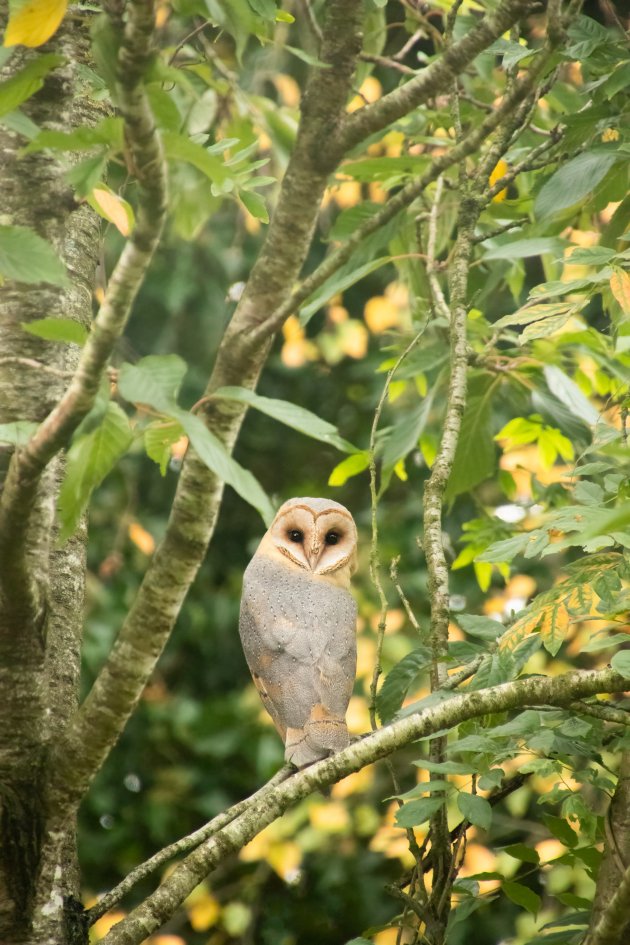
(183, 845)
(163, 903)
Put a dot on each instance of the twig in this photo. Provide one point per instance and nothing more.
(393, 573)
(400, 201)
(374, 560)
(312, 21)
(607, 713)
(388, 63)
(497, 231)
(435, 78)
(37, 366)
(198, 29)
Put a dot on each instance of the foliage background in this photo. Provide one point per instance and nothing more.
(200, 739)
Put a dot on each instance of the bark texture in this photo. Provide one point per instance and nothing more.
(41, 591)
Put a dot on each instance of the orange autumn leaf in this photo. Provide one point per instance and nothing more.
(141, 538)
(34, 22)
(620, 288)
(112, 208)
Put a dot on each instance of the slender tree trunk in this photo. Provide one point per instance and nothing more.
(614, 865)
(41, 612)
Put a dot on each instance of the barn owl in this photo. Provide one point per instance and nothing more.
(298, 622)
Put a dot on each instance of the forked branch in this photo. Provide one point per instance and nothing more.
(28, 463)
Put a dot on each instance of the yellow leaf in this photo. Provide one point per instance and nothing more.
(498, 172)
(353, 337)
(329, 818)
(620, 288)
(204, 913)
(112, 208)
(396, 389)
(285, 859)
(34, 22)
(380, 313)
(401, 471)
(141, 538)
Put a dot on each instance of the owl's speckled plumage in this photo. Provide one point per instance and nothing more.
(298, 623)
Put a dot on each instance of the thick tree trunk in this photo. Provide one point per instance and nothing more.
(40, 644)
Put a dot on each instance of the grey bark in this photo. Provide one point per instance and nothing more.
(41, 610)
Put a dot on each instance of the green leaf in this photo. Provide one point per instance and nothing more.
(574, 181)
(398, 681)
(18, 433)
(522, 852)
(505, 550)
(621, 663)
(255, 204)
(57, 329)
(341, 281)
(404, 436)
(535, 313)
(522, 249)
(414, 813)
(476, 809)
(155, 380)
(561, 830)
(179, 148)
(29, 80)
(85, 175)
(445, 767)
(298, 418)
(158, 440)
(381, 168)
(567, 391)
(608, 522)
(26, 257)
(20, 123)
(214, 454)
(89, 460)
(477, 626)
(523, 896)
(351, 466)
(475, 457)
(107, 132)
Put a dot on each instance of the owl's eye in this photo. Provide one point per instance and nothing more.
(296, 535)
(332, 538)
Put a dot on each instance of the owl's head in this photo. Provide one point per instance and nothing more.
(317, 535)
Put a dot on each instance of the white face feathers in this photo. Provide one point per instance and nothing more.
(317, 535)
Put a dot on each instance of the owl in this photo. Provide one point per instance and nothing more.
(298, 623)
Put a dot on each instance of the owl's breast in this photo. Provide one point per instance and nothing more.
(296, 613)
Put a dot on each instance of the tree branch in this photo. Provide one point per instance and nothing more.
(27, 464)
(162, 904)
(433, 80)
(611, 909)
(148, 625)
(183, 845)
(397, 203)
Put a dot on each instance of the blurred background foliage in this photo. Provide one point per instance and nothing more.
(200, 739)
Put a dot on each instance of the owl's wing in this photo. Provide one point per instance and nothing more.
(299, 641)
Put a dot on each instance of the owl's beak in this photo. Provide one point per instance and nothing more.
(313, 556)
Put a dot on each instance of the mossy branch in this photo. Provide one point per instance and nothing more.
(433, 80)
(164, 902)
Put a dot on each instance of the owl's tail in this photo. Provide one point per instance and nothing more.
(322, 735)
